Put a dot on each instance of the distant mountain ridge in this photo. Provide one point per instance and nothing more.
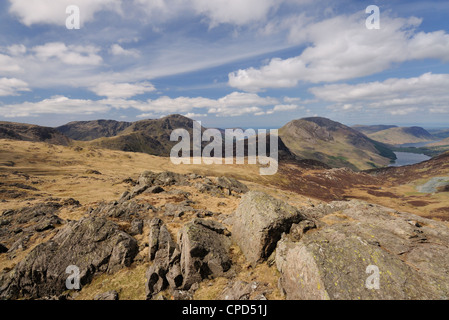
(334, 144)
(402, 135)
(29, 132)
(372, 129)
(313, 141)
(150, 136)
(444, 142)
(91, 130)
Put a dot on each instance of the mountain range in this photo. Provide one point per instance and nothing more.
(396, 135)
(29, 132)
(328, 143)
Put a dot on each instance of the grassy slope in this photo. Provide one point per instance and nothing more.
(337, 153)
(442, 143)
(397, 136)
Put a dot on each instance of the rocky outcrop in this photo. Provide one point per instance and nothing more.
(18, 226)
(136, 227)
(94, 245)
(124, 210)
(241, 290)
(231, 185)
(164, 253)
(259, 222)
(201, 252)
(341, 258)
(204, 246)
(150, 179)
(109, 295)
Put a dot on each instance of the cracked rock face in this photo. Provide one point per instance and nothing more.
(92, 244)
(204, 246)
(259, 222)
(202, 251)
(332, 261)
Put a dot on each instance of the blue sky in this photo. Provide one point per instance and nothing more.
(227, 63)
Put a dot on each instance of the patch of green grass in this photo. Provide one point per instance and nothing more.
(129, 283)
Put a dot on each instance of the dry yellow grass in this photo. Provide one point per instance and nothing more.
(63, 172)
(59, 172)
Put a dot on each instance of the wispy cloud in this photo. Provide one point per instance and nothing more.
(396, 96)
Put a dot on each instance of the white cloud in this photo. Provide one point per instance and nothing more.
(72, 54)
(280, 108)
(285, 107)
(54, 11)
(235, 12)
(150, 116)
(234, 104)
(291, 99)
(17, 49)
(238, 12)
(195, 115)
(342, 48)
(402, 111)
(11, 86)
(118, 50)
(395, 96)
(8, 65)
(122, 90)
(53, 105)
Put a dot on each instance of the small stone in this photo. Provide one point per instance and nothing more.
(109, 295)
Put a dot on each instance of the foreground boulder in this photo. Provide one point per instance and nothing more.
(94, 245)
(202, 251)
(259, 222)
(340, 259)
(165, 271)
(204, 246)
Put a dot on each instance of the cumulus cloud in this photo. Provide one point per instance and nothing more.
(17, 49)
(12, 86)
(342, 48)
(8, 65)
(72, 54)
(280, 108)
(234, 104)
(122, 90)
(118, 50)
(54, 12)
(397, 96)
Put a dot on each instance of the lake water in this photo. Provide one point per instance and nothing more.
(406, 158)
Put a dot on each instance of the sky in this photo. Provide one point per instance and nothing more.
(226, 63)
